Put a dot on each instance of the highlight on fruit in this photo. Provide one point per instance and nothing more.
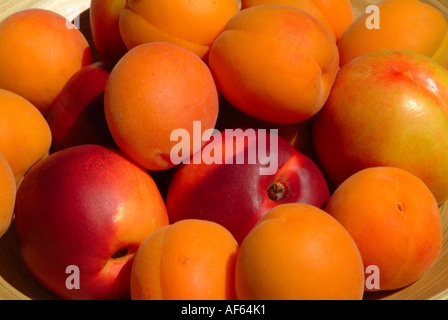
(224, 150)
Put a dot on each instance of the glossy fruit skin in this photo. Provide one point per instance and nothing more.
(187, 260)
(91, 207)
(299, 252)
(77, 117)
(104, 22)
(397, 117)
(299, 134)
(394, 219)
(237, 195)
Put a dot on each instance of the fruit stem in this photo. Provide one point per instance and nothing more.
(276, 191)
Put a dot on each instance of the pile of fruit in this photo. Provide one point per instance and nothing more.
(252, 149)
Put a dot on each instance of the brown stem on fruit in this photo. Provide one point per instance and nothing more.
(276, 191)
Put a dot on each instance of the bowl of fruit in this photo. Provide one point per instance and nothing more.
(226, 150)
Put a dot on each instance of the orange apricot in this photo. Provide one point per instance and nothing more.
(339, 14)
(394, 219)
(7, 195)
(400, 25)
(192, 26)
(154, 89)
(39, 51)
(335, 15)
(187, 260)
(25, 136)
(299, 252)
(274, 62)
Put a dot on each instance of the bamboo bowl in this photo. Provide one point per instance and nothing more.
(16, 283)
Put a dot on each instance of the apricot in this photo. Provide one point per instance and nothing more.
(274, 62)
(298, 251)
(193, 27)
(403, 25)
(153, 90)
(395, 221)
(25, 136)
(7, 195)
(39, 51)
(335, 15)
(187, 260)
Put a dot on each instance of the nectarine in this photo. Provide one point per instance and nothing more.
(81, 214)
(104, 23)
(77, 115)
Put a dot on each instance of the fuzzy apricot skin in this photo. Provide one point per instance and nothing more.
(335, 15)
(154, 89)
(39, 51)
(25, 136)
(395, 221)
(403, 25)
(188, 260)
(275, 62)
(193, 25)
(299, 252)
(7, 195)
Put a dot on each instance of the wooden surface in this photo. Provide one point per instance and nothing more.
(17, 283)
